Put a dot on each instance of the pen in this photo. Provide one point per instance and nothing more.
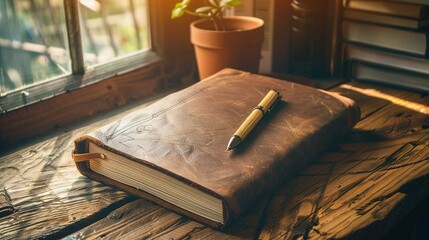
(264, 107)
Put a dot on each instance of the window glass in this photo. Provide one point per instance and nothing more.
(112, 29)
(33, 42)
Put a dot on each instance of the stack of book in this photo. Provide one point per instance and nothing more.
(387, 42)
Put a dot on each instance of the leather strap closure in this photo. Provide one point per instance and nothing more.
(82, 157)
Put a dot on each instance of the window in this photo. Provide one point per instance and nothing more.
(48, 47)
(112, 28)
(33, 43)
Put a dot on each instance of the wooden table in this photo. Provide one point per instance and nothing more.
(360, 188)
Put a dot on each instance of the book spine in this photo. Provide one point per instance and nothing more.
(333, 40)
(427, 45)
(424, 2)
(386, 38)
(387, 58)
(307, 40)
(369, 72)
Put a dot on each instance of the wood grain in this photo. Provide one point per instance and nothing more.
(48, 194)
(77, 105)
(6, 207)
(345, 192)
(365, 184)
(151, 221)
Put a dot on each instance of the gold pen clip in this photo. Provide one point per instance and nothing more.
(279, 97)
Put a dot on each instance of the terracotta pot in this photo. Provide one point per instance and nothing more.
(239, 47)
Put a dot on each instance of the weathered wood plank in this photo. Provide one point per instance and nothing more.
(44, 209)
(381, 196)
(6, 207)
(149, 220)
(47, 192)
(131, 216)
(370, 180)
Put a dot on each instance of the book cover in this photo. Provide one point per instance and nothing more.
(398, 8)
(173, 152)
(423, 2)
(386, 58)
(420, 2)
(395, 39)
(393, 21)
(375, 73)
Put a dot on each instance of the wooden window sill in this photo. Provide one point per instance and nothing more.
(73, 106)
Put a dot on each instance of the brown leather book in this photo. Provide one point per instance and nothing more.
(173, 152)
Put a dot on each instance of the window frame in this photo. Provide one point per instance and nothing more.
(80, 75)
(71, 97)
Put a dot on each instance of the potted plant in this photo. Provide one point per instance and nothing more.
(220, 41)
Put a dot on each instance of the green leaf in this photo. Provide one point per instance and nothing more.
(178, 5)
(204, 9)
(230, 3)
(182, 4)
(179, 8)
(177, 12)
(186, 2)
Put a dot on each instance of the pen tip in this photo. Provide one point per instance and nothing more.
(233, 142)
